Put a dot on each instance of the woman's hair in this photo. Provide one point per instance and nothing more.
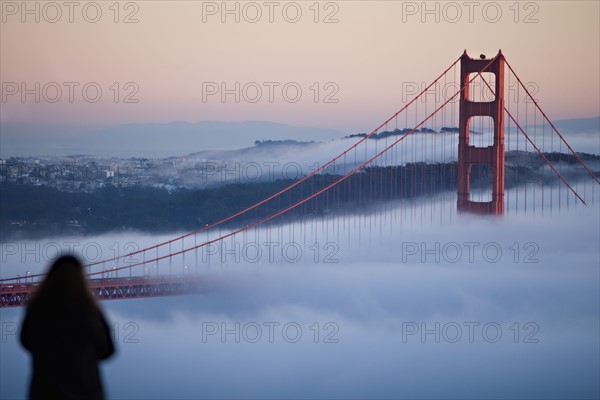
(65, 285)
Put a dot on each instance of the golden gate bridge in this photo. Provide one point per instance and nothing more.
(417, 157)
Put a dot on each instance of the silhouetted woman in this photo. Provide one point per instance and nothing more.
(66, 334)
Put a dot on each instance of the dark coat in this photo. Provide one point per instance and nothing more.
(66, 346)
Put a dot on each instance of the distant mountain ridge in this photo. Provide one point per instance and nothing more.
(579, 125)
(151, 140)
(181, 138)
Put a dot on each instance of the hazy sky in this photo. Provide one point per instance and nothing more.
(368, 52)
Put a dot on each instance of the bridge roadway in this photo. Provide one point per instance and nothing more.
(18, 294)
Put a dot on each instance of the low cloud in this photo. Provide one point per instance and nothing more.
(396, 316)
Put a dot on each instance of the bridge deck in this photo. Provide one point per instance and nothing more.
(18, 294)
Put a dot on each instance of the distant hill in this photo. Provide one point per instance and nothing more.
(580, 125)
(151, 140)
(181, 138)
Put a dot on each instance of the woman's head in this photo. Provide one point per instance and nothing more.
(65, 284)
(65, 266)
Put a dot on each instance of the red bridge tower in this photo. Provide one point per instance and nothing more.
(493, 155)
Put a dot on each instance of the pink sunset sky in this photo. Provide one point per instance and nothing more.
(169, 53)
